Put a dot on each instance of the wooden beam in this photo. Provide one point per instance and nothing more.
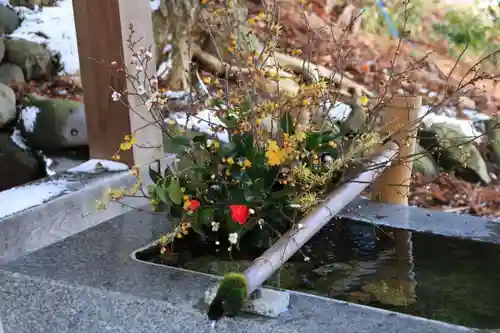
(102, 31)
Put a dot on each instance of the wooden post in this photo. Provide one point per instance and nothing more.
(400, 117)
(102, 29)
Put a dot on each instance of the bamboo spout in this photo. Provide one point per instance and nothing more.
(264, 266)
(401, 118)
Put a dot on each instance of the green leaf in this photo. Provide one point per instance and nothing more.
(313, 140)
(162, 193)
(177, 144)
(152, 190)
(286, 123)
(246, 105)
(201, 139)
(206, 216)
(175, 192)
(181, 141)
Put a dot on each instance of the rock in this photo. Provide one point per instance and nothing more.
(33, 3)
(2, 49)
(332, 267)
(50, 123)
(7, 105)
(454, 151)
(465, 102)
(425, 164)
(34, 59)
(17, 166)
(11, 74)
(9, 21)
(397, 292)
(493, 135)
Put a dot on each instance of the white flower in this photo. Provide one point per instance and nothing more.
(306, 259)
(215, 226)
(209, 143)
(251, 211)
(141, 91)
(139, 68)
(115, 96)
(328, 159)
(233, 238)
(217, 243)
(261, 223)
(300, 226)
(294, 205)
(148, 55)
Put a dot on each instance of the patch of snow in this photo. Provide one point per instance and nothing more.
(165, 66)
(18, 139)
(28, 117)
(155, 4)
(97, 165)
(203, 122)
(475, 115)
(58, 25)
(21, 198)
(48, 163)
(339, 112)
(466, 126)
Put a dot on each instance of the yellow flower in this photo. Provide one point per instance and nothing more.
(363, 100)
(230, 161)
(261, 16)
(275, 155)
(100, 205)
(128, 142)
(251, 20)
(332, 144)
(300, 136)
(247, 163)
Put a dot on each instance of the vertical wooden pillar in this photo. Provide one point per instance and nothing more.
(102, 29)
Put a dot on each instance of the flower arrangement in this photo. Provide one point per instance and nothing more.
(253, 181)
(256, 171)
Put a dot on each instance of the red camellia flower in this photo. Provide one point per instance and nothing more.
(193, 205)
(239, 213)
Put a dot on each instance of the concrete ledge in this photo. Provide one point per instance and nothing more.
(268, 303)
(476, 228)
(71, 211)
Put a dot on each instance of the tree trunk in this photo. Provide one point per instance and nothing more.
(180, 20)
